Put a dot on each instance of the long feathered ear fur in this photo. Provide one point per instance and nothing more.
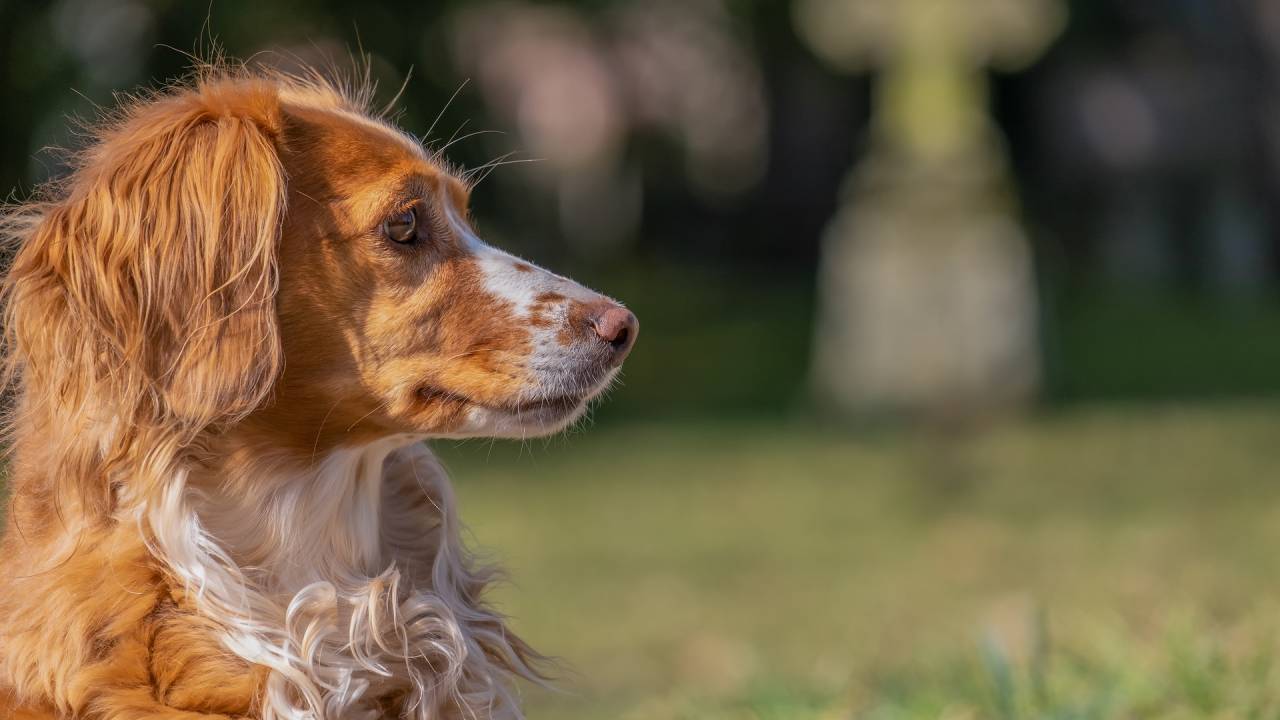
(141, 297)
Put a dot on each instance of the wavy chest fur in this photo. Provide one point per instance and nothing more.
(346, 580)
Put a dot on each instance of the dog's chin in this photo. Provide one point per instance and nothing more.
(522, 417)
(530, 419)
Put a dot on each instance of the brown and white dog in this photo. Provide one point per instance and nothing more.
(229, 329)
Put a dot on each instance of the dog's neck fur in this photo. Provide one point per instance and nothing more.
(344, 574)
(299, 520)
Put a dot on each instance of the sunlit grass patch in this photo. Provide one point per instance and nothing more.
(1191, 668)
(784, 571)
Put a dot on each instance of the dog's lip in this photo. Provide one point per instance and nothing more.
(559, 402)
(556, 404)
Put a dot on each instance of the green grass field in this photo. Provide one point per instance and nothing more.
(1095, 563)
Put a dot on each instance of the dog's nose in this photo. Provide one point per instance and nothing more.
(618, 327)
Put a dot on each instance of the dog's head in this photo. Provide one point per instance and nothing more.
(260, 248)
(393, 309)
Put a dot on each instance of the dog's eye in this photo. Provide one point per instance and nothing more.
(401, 227)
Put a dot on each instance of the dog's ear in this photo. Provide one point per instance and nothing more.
(148, 289)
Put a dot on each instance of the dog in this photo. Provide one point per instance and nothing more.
(228, 332)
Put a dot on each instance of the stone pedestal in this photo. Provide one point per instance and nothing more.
(928, 300)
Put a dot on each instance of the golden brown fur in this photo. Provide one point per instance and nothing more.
(220, 368)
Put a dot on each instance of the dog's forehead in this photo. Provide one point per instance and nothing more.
(349, 147)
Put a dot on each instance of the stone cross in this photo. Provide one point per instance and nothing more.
(930, 57)
(928, 299)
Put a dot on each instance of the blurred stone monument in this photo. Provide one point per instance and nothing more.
(927, 293)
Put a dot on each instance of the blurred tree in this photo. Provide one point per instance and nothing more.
(927, 296)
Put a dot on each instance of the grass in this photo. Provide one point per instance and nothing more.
(1099, 563)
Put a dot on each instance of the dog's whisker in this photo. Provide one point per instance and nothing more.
(455, 140)
(494, 166)
(456, 132)
(381, 406)
(315, 445)
(432, 128)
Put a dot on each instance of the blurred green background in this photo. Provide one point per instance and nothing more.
(721, 538)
